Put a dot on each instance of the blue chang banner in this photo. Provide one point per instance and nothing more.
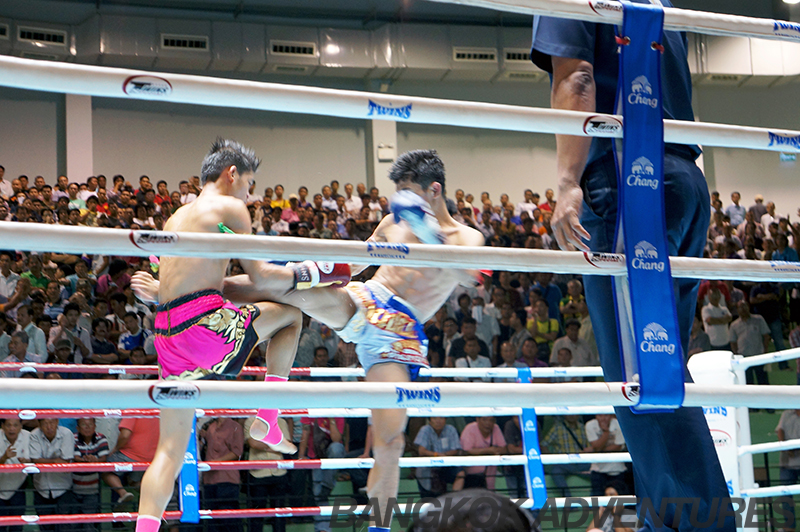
(189, 482)
(652, 322)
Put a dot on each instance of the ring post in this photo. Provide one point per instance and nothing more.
(189, 481)
(534, 470)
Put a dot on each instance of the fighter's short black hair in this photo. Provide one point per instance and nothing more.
(225, 153)
(423, 167)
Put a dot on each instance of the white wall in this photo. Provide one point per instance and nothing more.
(169, 142)
(29, 130)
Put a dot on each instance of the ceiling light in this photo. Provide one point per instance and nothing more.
(791, 1)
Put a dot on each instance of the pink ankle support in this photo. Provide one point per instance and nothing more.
(147, 523)
(270, 416)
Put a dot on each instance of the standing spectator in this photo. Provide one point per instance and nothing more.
(567, 436)
(37, 342)
(14, 449)
(529, 205)
(352, 204)
(187, 196)
(435, 439)
(515, 475)
(224, 442)
(449, 335)
(322, 438)
(52, 444)
(90, 447)
(758, 209)
(5, 187)
(716, 318)
(581, 352)
(766, 301)
(488, 327)
(735, 211)
(519, 333)
(605, 436)
(18, 352)
(266, 488)
(279, 200)
(789, 429)
(482, 437)
(749, 336)
(699, 341)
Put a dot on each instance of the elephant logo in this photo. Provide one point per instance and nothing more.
(642, 166)
(645, 250)
(641, 85)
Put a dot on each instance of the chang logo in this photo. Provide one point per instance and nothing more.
(530, 426)
(533, 455)
(403, 113)
(642, 93)
(646, 257)
(538, 483)
(656, 340)
(641, 168)
(189, 491)
(188, 458)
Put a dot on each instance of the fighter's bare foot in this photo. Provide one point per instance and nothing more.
(259, 431)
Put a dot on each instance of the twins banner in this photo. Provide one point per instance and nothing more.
(649, 332)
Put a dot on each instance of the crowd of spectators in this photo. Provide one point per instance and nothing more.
(80, 309)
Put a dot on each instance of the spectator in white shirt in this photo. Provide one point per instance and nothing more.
(352, 204)
(605, 436)
(79, 337)
(580, 349)
(527, 206)
(186, 195)
(14, 449)
(8, 279)
(52, 444)
(716, 318)
(473, 360)
(5, 186)
(328, 201)
(488, 327)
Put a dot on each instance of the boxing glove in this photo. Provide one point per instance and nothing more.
(310, 274)
(417, 213)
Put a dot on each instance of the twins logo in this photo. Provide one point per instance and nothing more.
(387, 250)
(642, 93)
(646, 257)
(640, 169)
(427, 397)
(397, 112)
(656, 340)
(786, 29)
(784, 140)
(146, 86)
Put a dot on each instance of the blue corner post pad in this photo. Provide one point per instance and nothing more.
(654, 357)
(189, 482)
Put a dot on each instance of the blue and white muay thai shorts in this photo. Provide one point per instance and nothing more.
(385, 329)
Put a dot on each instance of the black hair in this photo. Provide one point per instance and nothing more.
(423, 167)
(71, 306)
(475, 510)
(131, 314)
(10, 254)
(160, 182)
(119, 298)
(99, 321)
(469, 320)
(523, 316)
(117, 266)
(225, 153)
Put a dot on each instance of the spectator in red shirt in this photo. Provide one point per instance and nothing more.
(224, 442)
(136, 443)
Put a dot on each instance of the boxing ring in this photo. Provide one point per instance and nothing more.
(719, 376)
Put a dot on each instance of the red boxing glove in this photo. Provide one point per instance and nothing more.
(310, 274)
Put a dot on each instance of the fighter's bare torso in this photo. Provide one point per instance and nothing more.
(425, 288)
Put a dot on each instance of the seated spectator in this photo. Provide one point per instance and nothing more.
(529, 355)
(35, 272)
(605, 436)
(617, 519)
(134, 336)
(469, 328)
(509, 357)
(103, 351)
(90, 447)
(519, 333)
(52, 444)
(544, 329)
(488, 328)
(115, 280)
(224, 442)
(79, 338)
(573, 305)
(567, 436)
(18, 352)
(580, 350)
(14, 449)
(698, 339)
(266, 488)
(482, 437)
(136, 443)
(437, 438)
(563, 360)
(54, 302)
(473, 360)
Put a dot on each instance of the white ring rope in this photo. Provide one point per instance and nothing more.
(216, 92)
(79, 240)
(32, 394)
(610, 12)
(770, 447)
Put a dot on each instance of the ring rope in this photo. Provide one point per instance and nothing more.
(785, 445)
(610, 12)
(71, 78)
(79, 240)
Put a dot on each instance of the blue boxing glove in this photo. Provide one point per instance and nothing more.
(417, 213)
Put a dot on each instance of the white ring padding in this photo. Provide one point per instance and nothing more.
(79, 240)
(109, 82)
(770, 447)
(483, 460)
(33, 394)
(610, 12)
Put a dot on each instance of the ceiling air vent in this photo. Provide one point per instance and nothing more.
(34, 55)
(725, 79)
(41, 36)
(293, 48)
(190, 43)
(4, 31)
(519, 56)
(288, 69)
(475, 55)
